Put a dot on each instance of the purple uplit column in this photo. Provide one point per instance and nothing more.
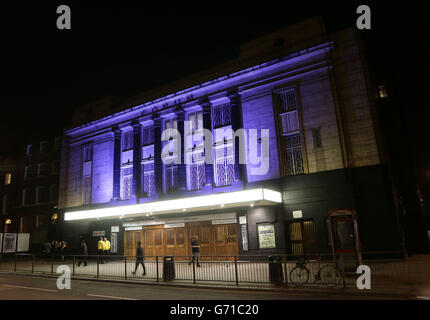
(207, 124)
(182, 169)
(117, 164)
(236, 123)
(137, 159)
(158, 164)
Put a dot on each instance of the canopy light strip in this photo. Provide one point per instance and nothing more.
(232, 198)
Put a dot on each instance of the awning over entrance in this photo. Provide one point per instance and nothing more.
(260, 196)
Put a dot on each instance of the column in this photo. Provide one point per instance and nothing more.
(137, 160)
(236, 123)
(182, 169)
(158, 164)
(207, 124)
(117, 164)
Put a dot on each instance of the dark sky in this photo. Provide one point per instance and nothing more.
(122, 49)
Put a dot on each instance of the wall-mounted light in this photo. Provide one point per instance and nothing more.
(8, 221)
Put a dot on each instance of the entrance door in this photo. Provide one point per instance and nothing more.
(225, 240)
(302, 237)
(175, 242)
(130, 243)
(154, 242)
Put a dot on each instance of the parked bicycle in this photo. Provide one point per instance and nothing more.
(328, 274)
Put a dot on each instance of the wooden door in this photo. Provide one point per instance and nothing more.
(154, 242)
(175, 243)
(225, 241)
(131, 238)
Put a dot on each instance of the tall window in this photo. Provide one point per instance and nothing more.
(195, 153)
(222, 115)
(41, 169)
(87, 174)
(127, 180)
(127, 140)
(43, 147)
(224, 153)
(42, 195)
(57, 143)
(88, 155)
(291, 144)
(148, 179)
(8, 178)
(86, 190)
(28, 149)
(147, 135)
(27, 172)
(171, 172)
(26, 197)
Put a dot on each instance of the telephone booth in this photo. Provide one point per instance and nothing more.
(344, 238)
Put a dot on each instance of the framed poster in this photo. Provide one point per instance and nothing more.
(23, 242)
(266, 236)
(114, 242)
(9, 242)
(1, 242)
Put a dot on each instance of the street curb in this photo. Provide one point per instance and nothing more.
(304, 291)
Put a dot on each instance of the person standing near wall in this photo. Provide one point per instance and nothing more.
(195, 248)
(100, 246)
(84, 253)
(106, 248)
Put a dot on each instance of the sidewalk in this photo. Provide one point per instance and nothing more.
(395, 278)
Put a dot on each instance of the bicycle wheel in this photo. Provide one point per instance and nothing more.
(299, 275)
(330, 275)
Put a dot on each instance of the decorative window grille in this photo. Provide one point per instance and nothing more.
(127, 140)
(222, 115)
(196, 170)
(224, 172)
(288, 100)
(290, 129)
(86, 190)
(127, 180)
(148, 179)
(171, 124)
(171, 171)
(316, 136)
(148, 135)
(196, 121)
(197, 176)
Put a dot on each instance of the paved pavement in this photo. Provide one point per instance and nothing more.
(20, 287)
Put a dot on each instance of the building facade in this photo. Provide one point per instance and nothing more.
(30, 193)
(297, 105)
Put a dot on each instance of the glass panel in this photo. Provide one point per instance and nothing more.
(205, 235)
(149, 238)
(158, 237)
(170, 234)
(129, 239)
(231, 231)
(220, 234)
(180, 238)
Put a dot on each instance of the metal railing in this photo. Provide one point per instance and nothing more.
(387, 268)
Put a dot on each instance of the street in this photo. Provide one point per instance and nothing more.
(18, 287)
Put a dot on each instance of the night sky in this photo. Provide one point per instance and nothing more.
(124, 49)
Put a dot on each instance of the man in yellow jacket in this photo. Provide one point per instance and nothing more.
(100, 246)
(106, 247)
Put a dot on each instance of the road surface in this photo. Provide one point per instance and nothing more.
(19, 287)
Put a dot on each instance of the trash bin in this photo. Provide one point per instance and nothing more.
(168, 268)
(276, 274)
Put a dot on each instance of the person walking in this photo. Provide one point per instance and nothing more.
(63, 246)
(100, 246)
(195, 248)
(139, 258)
(47, 248)
(106, 248)
(84, 254)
